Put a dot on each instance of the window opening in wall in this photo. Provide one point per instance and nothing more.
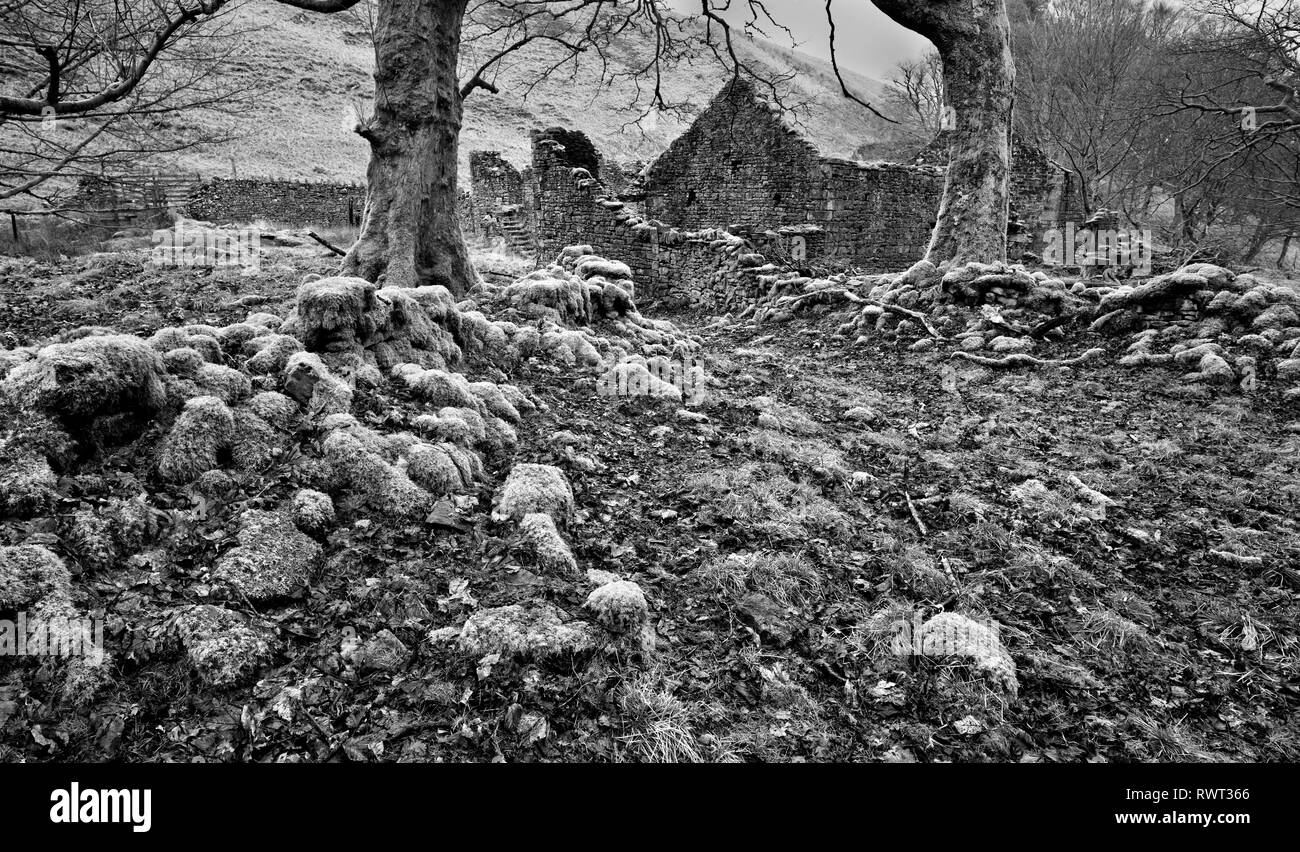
(690, 196)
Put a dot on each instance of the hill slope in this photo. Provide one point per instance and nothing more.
(316, 69)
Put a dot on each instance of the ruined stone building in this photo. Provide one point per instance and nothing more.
(742, 188)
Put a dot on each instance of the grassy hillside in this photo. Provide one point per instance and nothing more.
(316, 69)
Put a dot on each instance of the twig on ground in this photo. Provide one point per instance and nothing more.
(920, 525)
(318, 238)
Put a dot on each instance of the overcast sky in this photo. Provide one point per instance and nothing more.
(865, 39)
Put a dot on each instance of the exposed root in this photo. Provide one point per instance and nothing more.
(1020, 359)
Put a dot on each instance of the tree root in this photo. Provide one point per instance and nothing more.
(1020, 359)
(817, 297)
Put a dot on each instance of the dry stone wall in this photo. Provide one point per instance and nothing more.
(708, 267)
(742, 165)
(288, 202)
(740, 188)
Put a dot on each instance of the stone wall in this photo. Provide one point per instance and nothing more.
(295, 203)
(736, 198)
(712, 267)
(741, 165)
(494, 180)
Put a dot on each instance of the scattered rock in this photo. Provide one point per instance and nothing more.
(224, 648)
(536, 631)
(535, 488)
(1008, 345)
(953, 634)
(619, 607)
(272, 560)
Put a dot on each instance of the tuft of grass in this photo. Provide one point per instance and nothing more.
(760, 497)
(786, 578)
(791, 419)
(1106, 630)
(1030, 562)
(811, 453)
(495, 260)
(1168, 743)
(659, 725)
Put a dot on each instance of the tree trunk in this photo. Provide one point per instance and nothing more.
(410, 231)
(1257, 242)
(1184, 218)
(974, 39)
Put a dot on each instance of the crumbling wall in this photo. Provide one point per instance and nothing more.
(499, 204)
(875, 216)
(744, 167)
(710, 267)
(737, 164)
(494, 181)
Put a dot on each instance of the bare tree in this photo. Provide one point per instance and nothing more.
(1084, 86)
(87, 84)
(915, 92)
(1231, 95)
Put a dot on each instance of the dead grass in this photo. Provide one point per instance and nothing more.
(786, 578)
(1104, 630)
(1030, 563)
(811, 453)
(761, 497)
(659, 725)
(1171, 742)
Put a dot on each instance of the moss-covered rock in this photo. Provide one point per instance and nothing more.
(619, 607)
(223, 646)
(434, 468)
(197, 440)
(356, 470)
(308, 381)
(29, 573)
(536, 632)
(89, 379)
(313, 511)
(272, 560)
(439, 387)
(549, 549)
(268, 354)
(27, 483)
(535, 488)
